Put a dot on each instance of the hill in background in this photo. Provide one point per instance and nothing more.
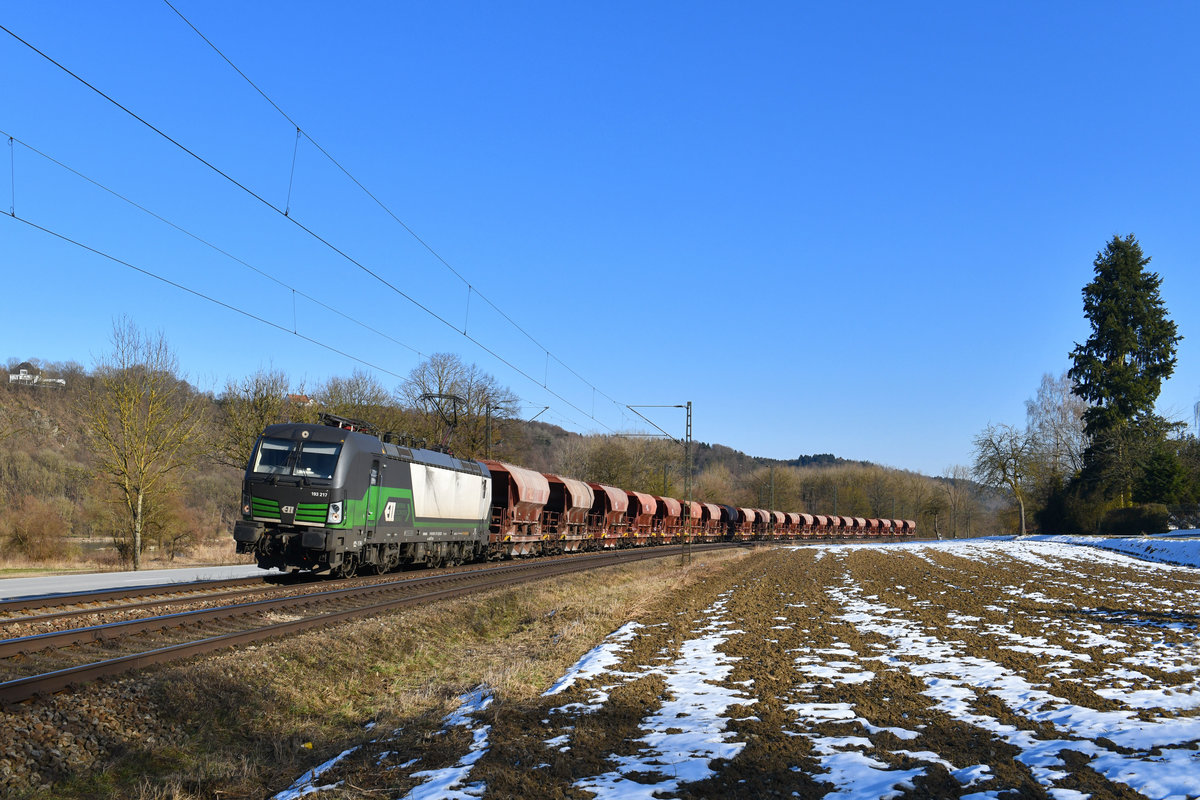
(60, 506)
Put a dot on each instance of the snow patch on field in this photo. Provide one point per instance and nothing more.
(598, 660)
(1163, 764)
(307, 783)
(1182, 552)
(1044, 661)
(451, 783)
(442, 784)
(688, 731)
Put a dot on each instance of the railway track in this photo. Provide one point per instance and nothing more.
(45, 663)
(62, 611)
(22, 605)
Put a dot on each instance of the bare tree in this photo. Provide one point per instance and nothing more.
(1003, 457)
(714, 485)
(880, 492)
(361, 396)
(11, 422)
(485, 411)
(956, 493)
(649, 465)
(144, 421)
(247, 407)
(915, 493)
(1054, 421)
(935, 506)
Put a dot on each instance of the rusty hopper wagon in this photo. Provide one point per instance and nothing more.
(607, 517)
(518, 496)
(668, 518)
(642, 508)
(565, 518)
(691, 528)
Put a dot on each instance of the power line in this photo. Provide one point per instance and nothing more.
(300, 131)
(209, 298)
(210, 245)
(199, 294)
(12, 158)
(303, 227)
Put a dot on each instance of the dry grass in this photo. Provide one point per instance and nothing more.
(216, 551)
(94, 557)
(250, 722)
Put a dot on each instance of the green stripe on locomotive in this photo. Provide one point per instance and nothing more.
(310, 513)
(262, 507)
(372, 509)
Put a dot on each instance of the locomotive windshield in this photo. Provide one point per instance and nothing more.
(298, 459)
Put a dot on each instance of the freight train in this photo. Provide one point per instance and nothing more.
(339, 498)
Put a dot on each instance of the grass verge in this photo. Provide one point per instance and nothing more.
(245, 724)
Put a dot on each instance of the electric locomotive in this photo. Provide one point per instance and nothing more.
(337, 497)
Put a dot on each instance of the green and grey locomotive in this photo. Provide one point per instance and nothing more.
(335, 498)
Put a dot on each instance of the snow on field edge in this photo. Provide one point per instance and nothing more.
(1182, 552)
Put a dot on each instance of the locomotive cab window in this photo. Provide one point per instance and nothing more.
(272, 457)
(317, 460)
(300, 459)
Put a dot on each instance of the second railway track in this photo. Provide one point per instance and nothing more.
(51, 662)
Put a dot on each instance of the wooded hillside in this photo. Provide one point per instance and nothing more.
(65, 497)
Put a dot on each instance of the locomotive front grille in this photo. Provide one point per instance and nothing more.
(264, 508)
(312, 513)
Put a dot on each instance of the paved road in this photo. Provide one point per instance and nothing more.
(11, 588)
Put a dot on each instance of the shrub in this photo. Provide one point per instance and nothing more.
(1144, 518)
(36, 530)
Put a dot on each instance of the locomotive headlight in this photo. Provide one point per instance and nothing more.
(335, 513)
(245, 504)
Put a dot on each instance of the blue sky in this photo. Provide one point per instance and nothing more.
(850, 228)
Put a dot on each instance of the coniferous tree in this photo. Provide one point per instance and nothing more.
(1119, 370)
(1163, 480)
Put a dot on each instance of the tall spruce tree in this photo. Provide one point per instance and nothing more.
(1119, 370)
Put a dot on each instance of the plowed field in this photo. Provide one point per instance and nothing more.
(960, 669)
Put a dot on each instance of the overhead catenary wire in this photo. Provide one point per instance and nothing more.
(12, 162)
(294, 291)
(438, 256)
(215, 301)
(195, 293)
(334, 248)
(212, 246)
(292, 174)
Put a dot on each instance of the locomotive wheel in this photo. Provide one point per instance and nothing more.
(348, 568)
